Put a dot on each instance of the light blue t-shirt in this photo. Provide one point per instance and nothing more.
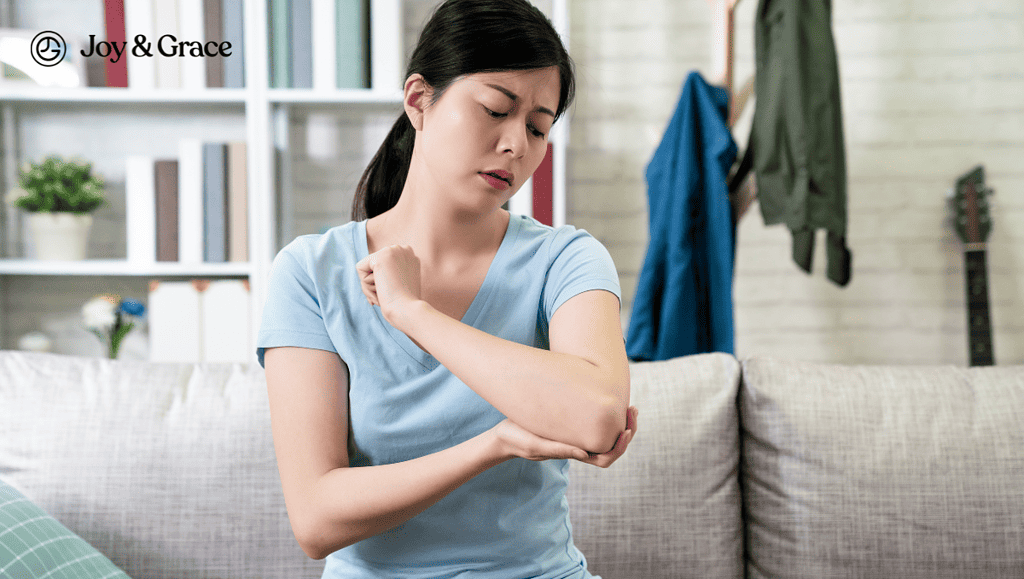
(511, 521)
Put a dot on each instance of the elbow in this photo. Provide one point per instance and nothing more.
(313, 551)
(310, 541)
(609, 423)
(316, 543)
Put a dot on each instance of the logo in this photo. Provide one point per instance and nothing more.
(48, 48)
(167, 46)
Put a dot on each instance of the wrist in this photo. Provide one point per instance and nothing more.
(495, 449)
(404, 315)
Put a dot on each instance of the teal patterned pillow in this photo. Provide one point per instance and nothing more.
(34, 545)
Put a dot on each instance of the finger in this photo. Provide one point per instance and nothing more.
(363, 266)
(559, 450)
(371, 294)
(605, 460)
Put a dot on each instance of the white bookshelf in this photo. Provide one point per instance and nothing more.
(266, 118)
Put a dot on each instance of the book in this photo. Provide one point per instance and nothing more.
(324, 38)
(166, 171)
(280, 48)
(113, 16)
(215, 233)
(300, 41)
(543, 179)
(165, 22)
(191, 26)
(234, 65)
(140, 208)
(386, 56)
(213, 30)
(190, 201)
(173, 317)
(224, 314)
(238, 202)
(139, 20)
(353, 39)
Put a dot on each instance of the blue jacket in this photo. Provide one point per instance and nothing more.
(683, 302)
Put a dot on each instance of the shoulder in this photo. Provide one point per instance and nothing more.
(319, 251)
(553, 242)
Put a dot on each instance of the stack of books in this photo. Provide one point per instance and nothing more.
(339, 30)
(192, 209)
(209, 22)
(199, 321)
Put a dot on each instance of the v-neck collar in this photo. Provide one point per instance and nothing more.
(472, 313)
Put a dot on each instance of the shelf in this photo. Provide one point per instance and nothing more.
(340, 96)
(98, 95)
(31, 94)
(117, 267)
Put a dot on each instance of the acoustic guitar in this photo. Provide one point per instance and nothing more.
(973, 224)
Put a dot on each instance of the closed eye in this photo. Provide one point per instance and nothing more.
(497, 115)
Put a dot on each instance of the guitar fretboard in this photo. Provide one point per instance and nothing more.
(979, 327)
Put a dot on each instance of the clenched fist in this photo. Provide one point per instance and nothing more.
(390, 278)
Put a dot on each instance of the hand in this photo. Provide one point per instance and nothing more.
(516, 441)
(390, 278)
(604, 460)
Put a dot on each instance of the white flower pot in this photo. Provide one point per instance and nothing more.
(59, 236)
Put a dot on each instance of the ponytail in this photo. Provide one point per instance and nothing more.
(382, 181)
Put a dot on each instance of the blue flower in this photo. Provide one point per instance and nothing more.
(133, 308)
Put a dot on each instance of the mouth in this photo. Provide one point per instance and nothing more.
(499, 174)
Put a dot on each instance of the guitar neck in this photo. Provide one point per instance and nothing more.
(979, 327)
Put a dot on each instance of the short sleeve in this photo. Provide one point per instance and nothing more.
(581, 264)
(291, 314)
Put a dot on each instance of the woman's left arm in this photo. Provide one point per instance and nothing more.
(577, 392)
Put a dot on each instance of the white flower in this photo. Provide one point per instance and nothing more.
(100, 312)
(15, 194)
(35, 342)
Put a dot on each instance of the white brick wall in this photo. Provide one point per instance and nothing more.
(929, 89)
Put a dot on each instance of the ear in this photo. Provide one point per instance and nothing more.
(417, 94)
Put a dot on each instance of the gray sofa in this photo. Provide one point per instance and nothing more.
(759, 468)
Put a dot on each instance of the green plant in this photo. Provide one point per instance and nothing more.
(55, 185)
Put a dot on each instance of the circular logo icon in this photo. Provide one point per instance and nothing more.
(48, 48)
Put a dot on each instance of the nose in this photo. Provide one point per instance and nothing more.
(513, 138)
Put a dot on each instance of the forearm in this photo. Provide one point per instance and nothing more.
(555, 395)
(350, 504)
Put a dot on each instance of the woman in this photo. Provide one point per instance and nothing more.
(433, 364)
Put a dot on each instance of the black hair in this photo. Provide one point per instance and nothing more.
(463, 37)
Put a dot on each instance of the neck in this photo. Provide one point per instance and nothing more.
(439, 230)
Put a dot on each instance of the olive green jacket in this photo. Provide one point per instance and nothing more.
(797, 136)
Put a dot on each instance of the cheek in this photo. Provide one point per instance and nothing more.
(452, 134)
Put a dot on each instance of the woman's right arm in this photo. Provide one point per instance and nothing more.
(331, 505)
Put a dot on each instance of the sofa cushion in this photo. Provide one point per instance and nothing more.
(33, 544)
(669, 507)
(167, 469)
(861, 471)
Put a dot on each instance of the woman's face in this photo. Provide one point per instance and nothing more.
(488, 133)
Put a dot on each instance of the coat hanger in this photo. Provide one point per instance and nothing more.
(722, 17)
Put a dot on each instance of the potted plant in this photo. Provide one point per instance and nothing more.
(59, 196)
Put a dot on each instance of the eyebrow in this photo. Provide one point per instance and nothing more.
(515, 98)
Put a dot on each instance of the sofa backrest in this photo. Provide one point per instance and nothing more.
(167, 469)
(670, 508)
(882, 471)
(794, 469)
